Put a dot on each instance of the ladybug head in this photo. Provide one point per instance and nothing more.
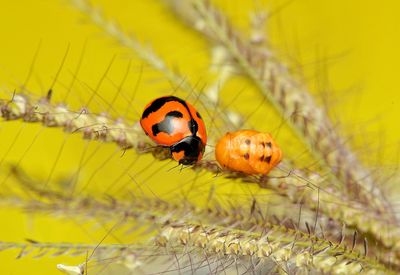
(188, 151)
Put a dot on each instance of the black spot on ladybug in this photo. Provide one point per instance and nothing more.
(159, 102)
(163, 126)
(193, 126)
(247, 141)
(176, 114)
(246, 156)
(192, 146)
(166, 125)
(269, 144)
(198, 115)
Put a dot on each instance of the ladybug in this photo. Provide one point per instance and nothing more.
(248, 151)
(174, 123)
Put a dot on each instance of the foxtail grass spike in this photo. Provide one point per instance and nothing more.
(296, 187)
(209, 99)
(282, 247)
(292, 99)
(155, 213)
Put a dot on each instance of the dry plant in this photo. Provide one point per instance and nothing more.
(345, 224)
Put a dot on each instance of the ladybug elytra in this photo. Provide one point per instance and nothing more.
(174, 123)
(248, 151)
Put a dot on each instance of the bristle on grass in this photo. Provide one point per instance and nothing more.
(298, 187)
(292, 100)
(209, 97)
(288, 95)
(150, 215)
(282, 247)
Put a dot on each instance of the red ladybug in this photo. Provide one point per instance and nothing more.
(172, 122)
(248, 151)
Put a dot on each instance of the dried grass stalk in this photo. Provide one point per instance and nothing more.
(40, 249)
(92, 126)
(263, 237)
(281, 246)
(209, 100)
(297, 187)
(292, 99)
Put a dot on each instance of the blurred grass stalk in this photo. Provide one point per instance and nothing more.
(352, 197)
(292, 100)
(359, 201)
(99, 127)
(182, 227)
(298, 188)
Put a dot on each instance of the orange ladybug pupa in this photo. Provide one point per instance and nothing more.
(248, 151)
(174, 123)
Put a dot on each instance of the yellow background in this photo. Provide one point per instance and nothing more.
(346, 50)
